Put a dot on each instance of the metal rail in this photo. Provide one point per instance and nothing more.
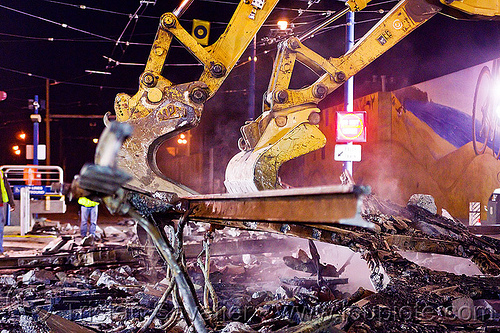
(338, 204)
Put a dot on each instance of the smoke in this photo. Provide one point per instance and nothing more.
(356, 271)
(383, 172)
(265, 270)
(441, 262)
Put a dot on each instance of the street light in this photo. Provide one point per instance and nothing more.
(182, 139)
(21, 135)
(17, 150)
(282, 24)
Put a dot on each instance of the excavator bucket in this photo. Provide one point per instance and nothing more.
(257, 169)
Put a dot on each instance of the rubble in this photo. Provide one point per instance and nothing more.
(246, 292)
(424, 201)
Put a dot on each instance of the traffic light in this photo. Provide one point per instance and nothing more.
(34, 105)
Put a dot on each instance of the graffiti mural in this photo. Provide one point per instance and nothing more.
(421, 139)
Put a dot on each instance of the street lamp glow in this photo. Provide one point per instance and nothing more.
(95, 140)
(17, 152)
(22, 135)
(182, 139)
(282, 24)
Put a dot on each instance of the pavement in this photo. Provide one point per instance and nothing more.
(16, 245)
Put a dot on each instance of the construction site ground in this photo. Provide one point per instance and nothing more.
(419, 272)
(18, 246)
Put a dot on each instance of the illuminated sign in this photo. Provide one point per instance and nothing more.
(347, 152)
(35, 190)
(351, 126)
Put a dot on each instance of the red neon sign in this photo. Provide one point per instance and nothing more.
(351, 126)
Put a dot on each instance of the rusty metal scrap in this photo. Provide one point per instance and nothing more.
(396, 228)
(235, 246)
(78, 300)
(332, 204)
(190, 303)
(427, 232)
(408, 228)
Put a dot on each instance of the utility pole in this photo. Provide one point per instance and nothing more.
(251, 87)
(47, 121)
(349, 85)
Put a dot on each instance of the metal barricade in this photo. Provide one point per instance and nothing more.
(34, 193)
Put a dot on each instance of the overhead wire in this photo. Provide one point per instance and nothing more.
(61, 81)
(118, 42)
(63, 25)
(280, 8)
(52, 39)
(221, 1)
(132, 17)
(66, 26)
(345, 24)
(135, 16)
(380, 11)
(86, 7)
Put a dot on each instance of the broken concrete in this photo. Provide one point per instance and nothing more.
(407, 297)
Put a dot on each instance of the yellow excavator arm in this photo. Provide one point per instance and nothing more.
(161, 109)
(288, 126)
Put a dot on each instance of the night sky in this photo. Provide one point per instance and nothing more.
(59, 41)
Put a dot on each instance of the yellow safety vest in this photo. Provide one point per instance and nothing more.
(87, 202)
(5, 196)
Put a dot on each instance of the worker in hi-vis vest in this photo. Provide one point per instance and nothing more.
(7, 201)
(88, 210)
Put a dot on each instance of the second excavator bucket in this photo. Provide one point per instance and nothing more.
(257, 169)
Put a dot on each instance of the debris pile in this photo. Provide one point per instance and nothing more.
(111, 300)
(247, 281)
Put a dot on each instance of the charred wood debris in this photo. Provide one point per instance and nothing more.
(120, 284)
